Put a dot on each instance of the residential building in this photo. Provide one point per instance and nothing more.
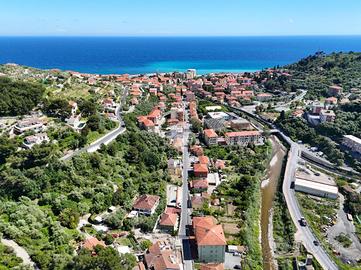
(210, 136)
(334, 90)
(168, 222)
(200, 170)
(155, 116)
(91, 242)
(174, 167)
(30, 124)
(327, 116)
(146, 204)
(161, 256)
(264, 97)
(109, 105)
(316, 107)
(353, 143)
(32, 140)
(191, 73)
(145, 123)
(74, 107)
(243, 137)
(199, 185)
(210, 239)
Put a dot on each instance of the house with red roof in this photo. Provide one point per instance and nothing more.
(168, 222)
(199, 185)
(161, 256)
(146, 204)
(200, 170)
(210, 240)
(91, 242)
(210, 136)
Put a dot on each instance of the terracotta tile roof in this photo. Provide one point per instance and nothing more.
(168, 219)
(91, 242)
(243, 133)
(146, 202)
(203, 159)
(199, 184)
(210, 133)
(207, 233)
(159, 258)
(155, 113)
(212, 266)
(200, 168)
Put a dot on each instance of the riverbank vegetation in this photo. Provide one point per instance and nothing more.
(245, 168)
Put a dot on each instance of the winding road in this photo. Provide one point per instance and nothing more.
(107, 138)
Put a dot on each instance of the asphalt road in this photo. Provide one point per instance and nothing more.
(107, 138)
(303, 234)
(185, 211)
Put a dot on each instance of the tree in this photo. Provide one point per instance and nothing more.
(57, 108)
(94, 122)
(87, 107)
(69, 218)
(18, 98)
(106, 259)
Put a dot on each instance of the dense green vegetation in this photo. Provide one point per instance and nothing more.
(8, 259)
(316, 73)
(18, 98)
(246, 168)
(42, 198)
(298, 129)
(107, 258)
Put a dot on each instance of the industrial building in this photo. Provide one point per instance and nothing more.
(315, 188)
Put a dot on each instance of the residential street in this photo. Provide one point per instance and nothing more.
(186, 212)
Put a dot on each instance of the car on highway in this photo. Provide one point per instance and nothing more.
(237, 266)
(303, 222)
(316, 243)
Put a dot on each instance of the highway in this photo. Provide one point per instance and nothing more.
(185, 211)
(107, 138)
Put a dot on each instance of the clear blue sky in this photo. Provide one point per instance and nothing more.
(180, 17)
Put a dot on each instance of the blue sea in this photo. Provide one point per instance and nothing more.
(134, 55)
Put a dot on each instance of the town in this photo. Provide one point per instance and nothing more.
(206, 141)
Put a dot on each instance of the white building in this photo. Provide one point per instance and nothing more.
(327, 116)
(32, 140)
(191, 73)
(31, 124)
(317, 189)
(352, 142)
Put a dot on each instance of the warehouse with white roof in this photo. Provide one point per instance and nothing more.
(315, 188)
